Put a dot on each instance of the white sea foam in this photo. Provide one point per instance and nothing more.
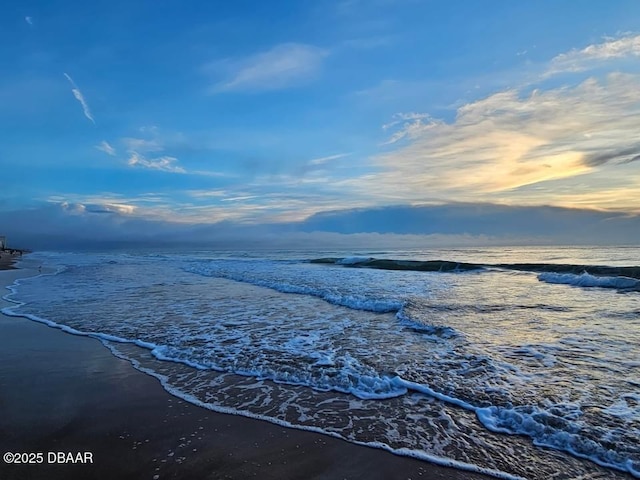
(553, 431)
(454, 349)
(588, 280)
(627, 407)
(531, 351)
(324, 284)
(407, 452)
(442, 331)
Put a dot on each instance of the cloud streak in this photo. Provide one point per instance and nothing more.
(80, 97)
(617, 155)
(285, 65)
(327, 159)
(579, 60)
(105, 147)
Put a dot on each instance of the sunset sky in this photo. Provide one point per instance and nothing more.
(259, 113)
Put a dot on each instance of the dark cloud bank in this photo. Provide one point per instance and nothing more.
(53, 227)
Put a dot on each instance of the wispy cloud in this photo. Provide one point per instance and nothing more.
(141, 204)
(621, 154)
(145, 145)
(149, 152)
(78, 94)
(285, 65)
(579, 60)
(246, 204)
(117, 208)
(29, 20)
(324, 160)
(509, 140)
(72, 206)
(413, 124)
(211, 193)
(156, 150)
(105, 147)
(239, 199)
(163, 163)
(403, 117)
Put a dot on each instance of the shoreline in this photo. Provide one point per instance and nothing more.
(87, 400)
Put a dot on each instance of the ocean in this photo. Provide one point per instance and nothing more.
(515, 362)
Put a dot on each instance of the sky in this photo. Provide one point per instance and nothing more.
(124, 117)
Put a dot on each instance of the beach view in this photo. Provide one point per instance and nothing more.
(356, 239)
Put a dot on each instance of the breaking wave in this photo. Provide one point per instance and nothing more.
(571, 274)
(587, 280)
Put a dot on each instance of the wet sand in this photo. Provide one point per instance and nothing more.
(66, 393)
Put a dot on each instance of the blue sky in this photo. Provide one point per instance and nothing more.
(270, 112)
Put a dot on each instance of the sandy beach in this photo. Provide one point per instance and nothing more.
(65, 393)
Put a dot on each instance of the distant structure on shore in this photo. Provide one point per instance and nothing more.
(12, 251)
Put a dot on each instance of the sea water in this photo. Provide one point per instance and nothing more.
(516, 362)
